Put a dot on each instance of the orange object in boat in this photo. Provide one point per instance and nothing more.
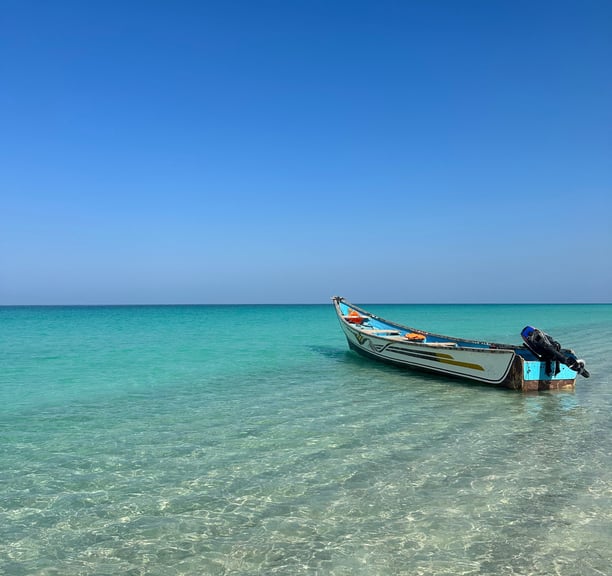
(415, 336)
(354, 317)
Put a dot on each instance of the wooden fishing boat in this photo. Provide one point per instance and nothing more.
(538, 364)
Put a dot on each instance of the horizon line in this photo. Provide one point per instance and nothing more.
(372, 303)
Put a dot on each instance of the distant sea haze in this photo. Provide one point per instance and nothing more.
(249, 440)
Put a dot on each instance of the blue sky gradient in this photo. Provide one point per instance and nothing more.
(286, 151)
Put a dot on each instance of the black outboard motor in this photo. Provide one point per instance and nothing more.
(549, 350)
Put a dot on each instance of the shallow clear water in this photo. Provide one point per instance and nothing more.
(249, 440)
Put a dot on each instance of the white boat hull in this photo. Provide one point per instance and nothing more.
(487, 366)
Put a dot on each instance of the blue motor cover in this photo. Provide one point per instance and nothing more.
(527, 331)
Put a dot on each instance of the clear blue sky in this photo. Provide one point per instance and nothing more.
(285, 151)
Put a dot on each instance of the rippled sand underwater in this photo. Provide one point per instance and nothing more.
(236, 440)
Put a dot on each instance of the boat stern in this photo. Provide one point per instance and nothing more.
(532, 376)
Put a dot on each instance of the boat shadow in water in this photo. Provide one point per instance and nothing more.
(334, 353)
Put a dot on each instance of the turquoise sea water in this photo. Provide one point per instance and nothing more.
(248, 440)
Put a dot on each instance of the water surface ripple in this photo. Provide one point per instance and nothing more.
(235, 440)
